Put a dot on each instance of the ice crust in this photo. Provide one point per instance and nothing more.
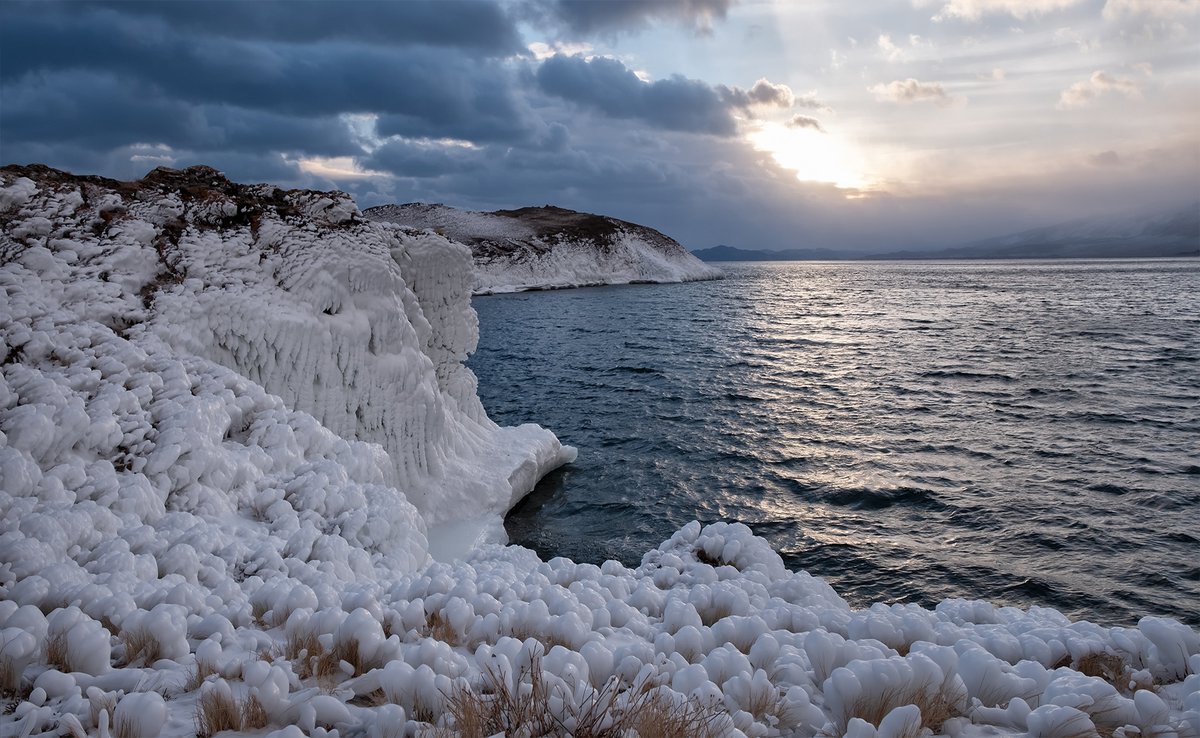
(510, 255)
(227, 416)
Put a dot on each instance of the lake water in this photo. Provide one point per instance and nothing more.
(1020, 432)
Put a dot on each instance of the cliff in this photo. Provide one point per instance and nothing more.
(550, 248)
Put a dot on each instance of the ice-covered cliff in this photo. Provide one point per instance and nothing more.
(290, 302)
(227, 414)
(550, 248)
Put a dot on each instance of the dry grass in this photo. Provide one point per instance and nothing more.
(141, 646)
(349, 652)
(217, 710)
(1106, 666)
(10, 678)
(710, 616)
(936, 708)
(127, 728)
(658, 717)
(522, 633)
(254, 717)
(523, 709)
(201, 671)
(438, 628)
(106, 703)
(762, 704)
(258, 612)
(304, 650)
(56, 651)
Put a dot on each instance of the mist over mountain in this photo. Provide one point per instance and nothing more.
(1170, 232)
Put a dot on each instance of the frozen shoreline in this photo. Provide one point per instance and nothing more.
(231, 417)
(552, 248)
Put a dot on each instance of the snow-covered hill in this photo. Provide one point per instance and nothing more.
(234, 421)
(550, 248)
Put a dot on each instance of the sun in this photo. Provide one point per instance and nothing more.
(814, 155)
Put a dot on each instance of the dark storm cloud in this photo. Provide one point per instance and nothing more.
(607, 85)
(117, 75)
(480, 26)
(590, 16)
(51, 106)
(309, 79)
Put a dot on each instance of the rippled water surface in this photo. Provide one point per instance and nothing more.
(1026, 433)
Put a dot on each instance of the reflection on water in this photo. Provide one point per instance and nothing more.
(1025, 433)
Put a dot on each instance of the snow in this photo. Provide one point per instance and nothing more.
(234, 424)
(514, 256)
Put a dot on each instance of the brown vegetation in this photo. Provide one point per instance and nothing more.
(522, 707)
(936, 707)
(140, 646)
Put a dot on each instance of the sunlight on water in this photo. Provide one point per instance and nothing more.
(1024, 433)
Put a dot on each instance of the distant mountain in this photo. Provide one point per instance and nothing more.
(732, 253)
(1173, 232)
(548, 247)
(1170, 232)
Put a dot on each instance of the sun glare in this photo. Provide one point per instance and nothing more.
(815, 156)
(335, 167)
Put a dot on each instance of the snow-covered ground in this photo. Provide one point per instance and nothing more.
(233, 424)
(553, 248)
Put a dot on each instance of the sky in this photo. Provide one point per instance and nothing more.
(772, 124)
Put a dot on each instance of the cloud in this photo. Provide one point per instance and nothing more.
(805, 121)
(1100, 83)
(910, 91)
(763, 92)
(1153, 8)
(596, 16)
(810, 101)
(973, 10)
(675, 103)
(122, 74)
(481, 26)
(890, 51)
(1108, 158)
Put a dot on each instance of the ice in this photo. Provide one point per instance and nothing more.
(552, 248)
(235, 421)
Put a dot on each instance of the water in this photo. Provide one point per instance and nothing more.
(1025, 433)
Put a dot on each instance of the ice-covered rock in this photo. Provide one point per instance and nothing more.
(548, 247)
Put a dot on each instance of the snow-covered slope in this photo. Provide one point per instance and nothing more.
(189, 547)
(549, 247)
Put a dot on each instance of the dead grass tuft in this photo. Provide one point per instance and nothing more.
(548, 641)
(217, 710)
(56, 651)
(254, 717)
(659, 717)
(141, 646)
(440, 629)
(349, 652)
(102, 703)
(523, 708)
(936, 708)
(10, 678)
(201, 671)
(304, 650)
(258, 611)
(1109, 667)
